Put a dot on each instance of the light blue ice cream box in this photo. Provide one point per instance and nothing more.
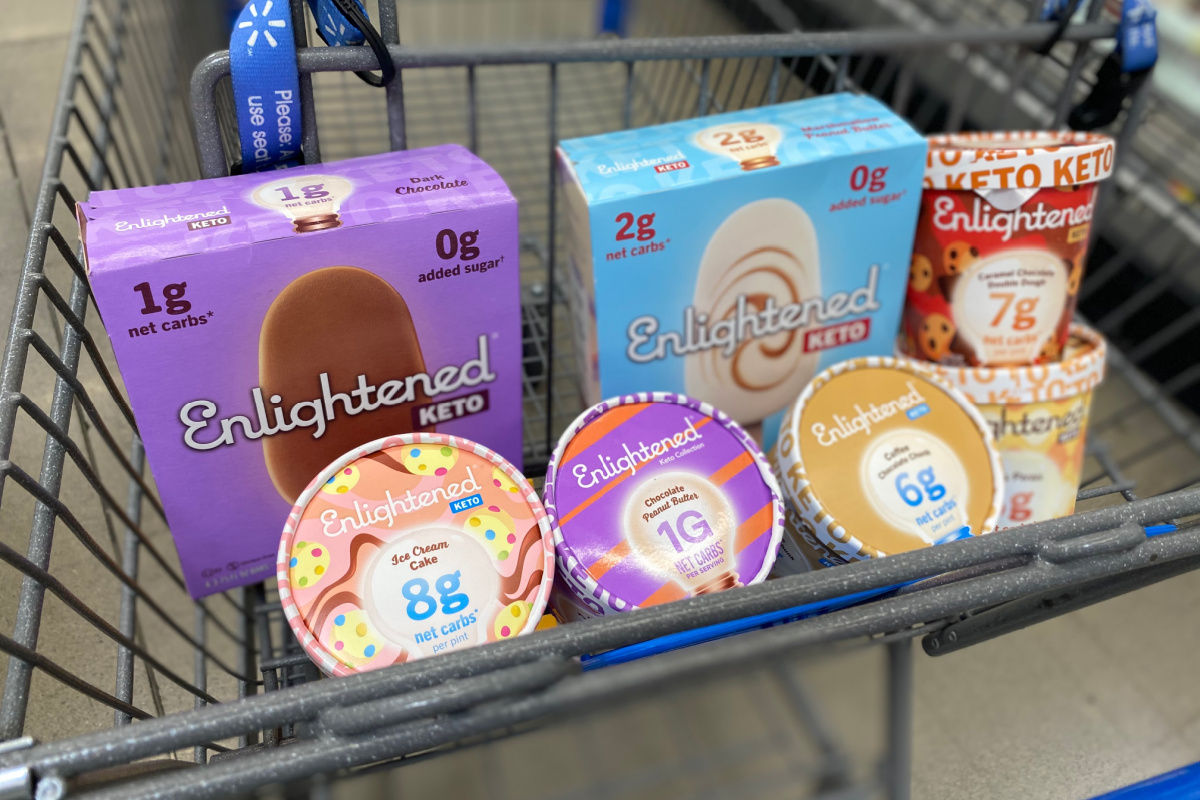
(731, 257)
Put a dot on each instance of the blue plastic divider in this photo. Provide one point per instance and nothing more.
(676, 641)
(1182, 784)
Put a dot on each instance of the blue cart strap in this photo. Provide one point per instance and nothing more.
(614, 16)
(962, 533)
(676, 641)
(266, 85)
(332, 25)
(1053, 10)
(1137, 35)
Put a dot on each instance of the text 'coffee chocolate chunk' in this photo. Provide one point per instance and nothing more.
(328, 334)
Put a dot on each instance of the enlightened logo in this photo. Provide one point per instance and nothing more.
(385, 513)
(320, 411)
(632, 458)
(121, 226)
(843, 427)
(745, 321)
(983, 218)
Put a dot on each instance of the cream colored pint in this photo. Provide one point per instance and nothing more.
(1038, 416)
(878, 457)
(763, 256)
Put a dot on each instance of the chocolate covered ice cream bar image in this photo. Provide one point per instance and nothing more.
(336, 334)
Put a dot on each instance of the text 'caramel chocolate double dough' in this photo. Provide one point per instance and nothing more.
(266, 324)
(765, 244)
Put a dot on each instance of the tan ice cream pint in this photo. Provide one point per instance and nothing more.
(878, 456)
(1038, 416)
(1000, 245)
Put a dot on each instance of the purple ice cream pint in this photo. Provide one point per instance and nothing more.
(654, 497)
(266, 324)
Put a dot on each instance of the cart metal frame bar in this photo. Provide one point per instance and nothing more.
(391, 713)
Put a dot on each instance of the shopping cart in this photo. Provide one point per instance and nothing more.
(94, 618)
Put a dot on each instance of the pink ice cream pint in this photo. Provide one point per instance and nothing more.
(412, 546)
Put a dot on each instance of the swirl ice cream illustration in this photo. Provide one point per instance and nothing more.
(765, 255)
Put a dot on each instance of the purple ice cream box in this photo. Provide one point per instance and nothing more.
(266, 324)
(654, 497)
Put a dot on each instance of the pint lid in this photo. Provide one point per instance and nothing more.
(1017, 159)
(1080, 371)
(880, 457)
(656, 497)
(410, 546)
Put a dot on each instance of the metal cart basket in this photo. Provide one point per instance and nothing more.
(214, 697)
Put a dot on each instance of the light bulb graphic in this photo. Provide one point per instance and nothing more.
(916, 482)
(417, 601)
(681, 527)
(311, 202)
(1010, 326)
(751, 144)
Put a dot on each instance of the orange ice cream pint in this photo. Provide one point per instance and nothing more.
(1038, 416)
(1001, 245)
